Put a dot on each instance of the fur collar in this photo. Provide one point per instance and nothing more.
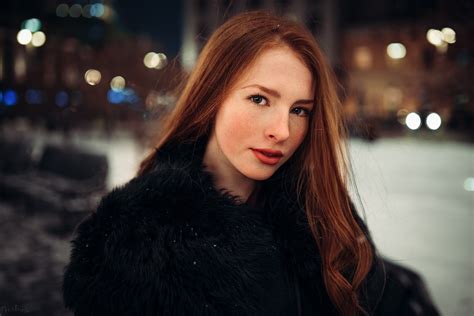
(288, 220)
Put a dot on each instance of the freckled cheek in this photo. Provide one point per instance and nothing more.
(298, 132)
(236, 129)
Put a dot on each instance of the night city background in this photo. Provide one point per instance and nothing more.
(83, 83)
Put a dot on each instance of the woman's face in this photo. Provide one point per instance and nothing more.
(267, 109)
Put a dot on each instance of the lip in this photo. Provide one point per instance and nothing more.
(260, 154)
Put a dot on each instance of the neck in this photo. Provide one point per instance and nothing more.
(225, 175)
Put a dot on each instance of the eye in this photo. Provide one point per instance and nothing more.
(301, 111)
(257, 99)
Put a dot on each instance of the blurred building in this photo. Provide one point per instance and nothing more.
(409, 57)
(381, 52)
(67, 63)
(202, 17)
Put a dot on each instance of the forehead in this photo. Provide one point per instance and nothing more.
(279, 68)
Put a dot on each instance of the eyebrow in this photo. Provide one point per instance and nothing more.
(276, 94)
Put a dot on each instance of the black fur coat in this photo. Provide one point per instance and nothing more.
(167, 243)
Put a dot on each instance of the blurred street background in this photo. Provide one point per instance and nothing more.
(83, 83)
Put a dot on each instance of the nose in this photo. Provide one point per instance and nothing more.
(278, 128)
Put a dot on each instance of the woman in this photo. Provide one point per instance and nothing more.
(242, 207)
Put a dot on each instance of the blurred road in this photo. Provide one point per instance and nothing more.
(419, 213)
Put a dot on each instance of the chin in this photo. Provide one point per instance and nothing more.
(260, 174)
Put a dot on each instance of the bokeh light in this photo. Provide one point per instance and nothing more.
(433, 121)
(163, 61)
(62, 10)
(413, 121)
(86, 11)
(115, 97)
(151, 60)
(435, 37)
(10, 98)
(108, 14)
(34, 25)
(75, 11)
(130, 96)
(363, 57)
(155, 60)
(38, 39)
(449, 36)
(97, 10)
(92, 77)
(62, 98)
(396, 50)
(33, 96)
(117, 83)
(401, 116)
(126, 95)
(24, 37)
(469, 184)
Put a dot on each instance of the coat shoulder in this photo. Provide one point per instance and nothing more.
(164, 242)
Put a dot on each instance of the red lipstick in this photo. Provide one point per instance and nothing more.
(268, 156)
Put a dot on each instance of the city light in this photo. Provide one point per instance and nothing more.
(442, 38)
(117, 83)
(10, 98)
(363, 57)
(154, 60)
(396, 51)
(97, 10)
(469, 184)
(435, 37)
(33, 96)
(163, 61)
(86, 11)
(401, 116)
(92, 77)
(433, 121)
(38, 39)
(449, 36)
(24, 37)
(126, 95)
(62, 10)
(413, 121)
(62, 98)
(115, 97)
(75, 11)
(34, 25)
(151, 60)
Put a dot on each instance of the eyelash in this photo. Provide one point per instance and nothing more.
(251, 98)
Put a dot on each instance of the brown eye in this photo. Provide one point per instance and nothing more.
(258, 99)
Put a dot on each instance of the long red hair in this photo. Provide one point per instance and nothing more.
(322, 171)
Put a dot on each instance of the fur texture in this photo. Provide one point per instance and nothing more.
(167, 243)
